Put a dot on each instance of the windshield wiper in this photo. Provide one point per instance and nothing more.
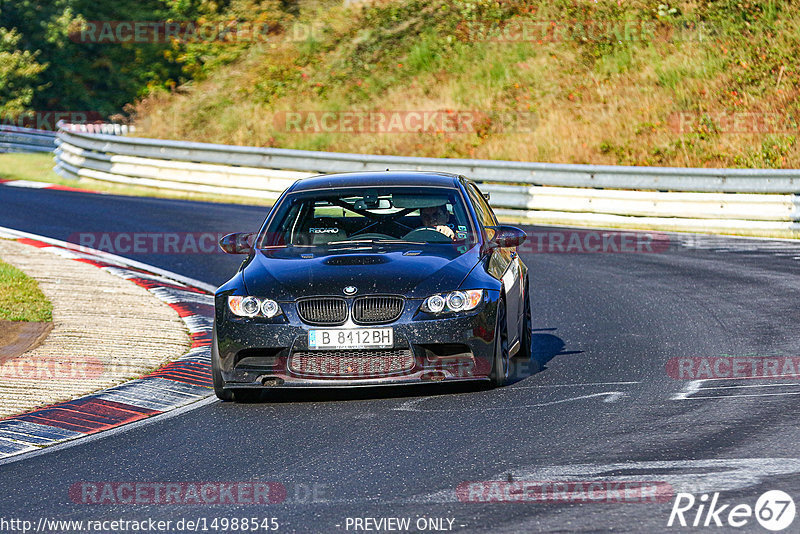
(402, 242)
(351, 241)
(373, 241)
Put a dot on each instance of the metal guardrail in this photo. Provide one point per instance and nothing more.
(18, 139)
(101, 128)
(750, 201)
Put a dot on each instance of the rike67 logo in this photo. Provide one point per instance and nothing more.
(774, 510)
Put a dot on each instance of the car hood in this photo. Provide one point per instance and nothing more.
(291, 273)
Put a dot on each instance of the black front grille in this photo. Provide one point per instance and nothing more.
(376, 310)
(322, 310)
(351, 363)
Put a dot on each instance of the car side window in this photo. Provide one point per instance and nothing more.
(484, 211)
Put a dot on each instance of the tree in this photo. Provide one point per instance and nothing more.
(19, 73)
(87, 76)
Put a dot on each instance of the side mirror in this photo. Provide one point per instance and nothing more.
(507, 236)
(239, 243)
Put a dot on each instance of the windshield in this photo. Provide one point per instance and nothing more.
(398, 215)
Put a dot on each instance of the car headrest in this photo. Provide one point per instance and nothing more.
(324, 230)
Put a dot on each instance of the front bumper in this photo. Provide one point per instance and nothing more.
(266, 353)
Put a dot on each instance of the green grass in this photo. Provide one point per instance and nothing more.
(34, 166)
(20, 297)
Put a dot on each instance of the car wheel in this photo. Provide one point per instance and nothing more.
(216, 375)
(525, 348)
(500, 367)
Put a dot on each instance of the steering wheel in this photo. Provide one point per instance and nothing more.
(428, 235)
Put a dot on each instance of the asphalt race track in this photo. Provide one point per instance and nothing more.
(602, 406)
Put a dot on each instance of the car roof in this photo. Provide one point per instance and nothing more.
(377, 179)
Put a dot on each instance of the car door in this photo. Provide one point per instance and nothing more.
(504, 264)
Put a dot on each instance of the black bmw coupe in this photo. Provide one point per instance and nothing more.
(372, 278)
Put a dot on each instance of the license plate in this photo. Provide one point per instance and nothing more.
(351, 338)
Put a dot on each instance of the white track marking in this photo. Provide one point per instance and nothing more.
(173, 296)
(411, 405)
(696, 386)
(84, 439)
(691, 476)
(790, 384)
(198, 323)
(689, 389)
(10, 446)
(108, 257)
(765, 377)
(155, 393)
(28, 184)
(748, 395)
(575, 385)
(614, 397)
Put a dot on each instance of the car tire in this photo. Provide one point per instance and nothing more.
(216, 375)
(501, 364)
(526, 336)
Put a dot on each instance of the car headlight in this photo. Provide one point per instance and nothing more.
(253, 307)
(250, 306)
(435, 304)
(455, 301)
(270, 308)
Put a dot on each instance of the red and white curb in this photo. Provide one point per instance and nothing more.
(30, 184)
(175, 385)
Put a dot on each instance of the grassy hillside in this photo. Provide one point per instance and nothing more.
(692, 83)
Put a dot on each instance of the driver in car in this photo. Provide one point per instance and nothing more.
(436, 218)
